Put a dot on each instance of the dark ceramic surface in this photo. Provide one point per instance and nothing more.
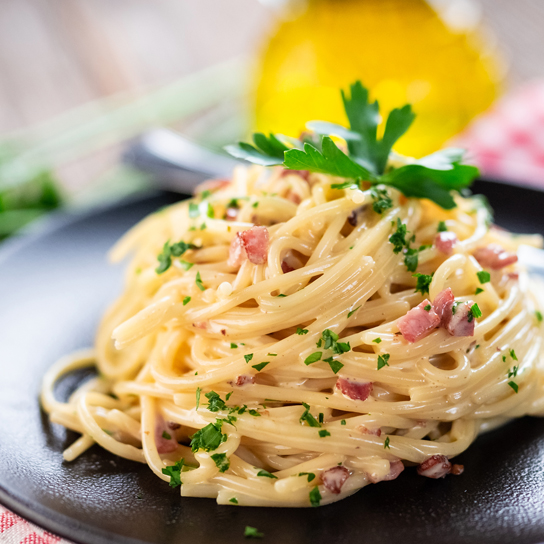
(53, 288)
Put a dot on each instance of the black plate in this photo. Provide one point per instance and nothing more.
(54, 287)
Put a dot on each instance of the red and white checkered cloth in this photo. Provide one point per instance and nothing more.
(15, 530)
(507, 142)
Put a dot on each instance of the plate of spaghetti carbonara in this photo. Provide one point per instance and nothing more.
(330, 318)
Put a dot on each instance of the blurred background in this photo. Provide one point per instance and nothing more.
(80, 81)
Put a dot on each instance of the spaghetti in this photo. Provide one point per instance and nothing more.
(295, 342)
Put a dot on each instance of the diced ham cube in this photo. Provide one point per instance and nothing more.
(243, 379)
(237, 253)
(494, 256)
(445, 241)
(334, 478)
(164, 444)
(353, 389)
(255, 242)
(435, 467)
(418, 322)
(395, 468)
(366, 430)
(442, 305)
(460, 323)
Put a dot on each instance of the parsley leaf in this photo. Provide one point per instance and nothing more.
(216, 402)
(538, 316)
(382, 200)
(198, 391)
(166, 436)
(442, 227)
(315, 496)
(266, 474)
(311, 475)
(267, 151)
(478, 291)
(386, 444)
(221, 461)
(475, 312)
(186, 301)
(335, 365)
(193, 210)
(353, 311)
(513, 373)
(324, 433)
(383, 360)
(309, 418)
(174, 471)
(313, 358)
(251, 532)
(302, 331)
(423, 283)
(208, 438)
(198, 282)
(248, 357)
(260, 366)
(233, 345)
(514, 386)
(234, 500)
(483, 276)
(377, 340)
(513, 355)
(398, 238)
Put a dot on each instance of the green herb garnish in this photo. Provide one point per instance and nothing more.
(313, 358)
(309, 418)
(478, 290)
(260, 366)
(174, 471)
(315, 496)
(353, 311)
(483, 276)
(310, 475)
(248, 357)
(324, 433)
(383, 360)
(386, 444)
(423, 283)
(302, 331)
(442, 227)
(166, 436)
(208, 438)
(514, 386)
(266, 474)
(198, 282)
(221, 461)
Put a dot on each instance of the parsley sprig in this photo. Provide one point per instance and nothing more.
(432, 177)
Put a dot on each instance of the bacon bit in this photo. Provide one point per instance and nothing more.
(211, 185)
(418, 322)
(355, 215)
(458, 323)
(237, 252)
(164, 445)
(255, 242)
(514, 275)
(353, 389)
(224, 332)
(200, 324)
(494, 256)
(442, 305)
(366, 430)
(231, 214)
(395, 468)
(435, 467)
(173, 426)
(304, 174)
(457, 470)
(285, 267)
(334, 478)
(243, 379)
(444, 242)
(293, 197)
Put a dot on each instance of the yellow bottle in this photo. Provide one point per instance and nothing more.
(403, 50)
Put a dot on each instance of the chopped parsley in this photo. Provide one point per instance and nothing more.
(253, 413)
(198, 282)
(169, 251)
(513, 355)
(320, 417)
(330, 341)
(302, 331)
(386, 444)
(478, 290)
(233, 345)
(260, 366)
(382, 200)
(186, 301)
(198, 391)
(185, 265)
(271, 354)
(398, 238)
(208, 438)
(313, 358)
(255, 204)
(353, 311)
(210, 211)
(514, 386)
(221, 461)
(308, 418)
(423, 283)
(315, 496)
(538, 316)
(216, 403)
(205, 194)
(383, 360)
(427, 308)
(310, 475)
(266, 474)
(251, 532)
(234, 500)
(442, 227)
(166, 436)
(248, 357)
(343, 422)
(324, 433)
(193, 210)
(377, 340)
(483, 276)
(334, 364)
(174, 471)
(474, 312)
(513, 373)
